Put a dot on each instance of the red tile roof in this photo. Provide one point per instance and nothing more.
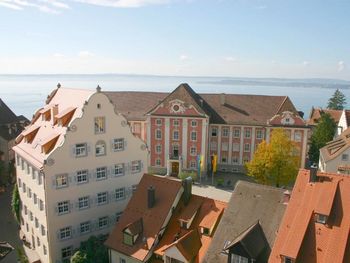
(300, 237)
(209, 212)
(166, 190)
(336, 147)
(315, 115)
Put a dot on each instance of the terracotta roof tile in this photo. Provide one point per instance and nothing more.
(315, 115)
(336, 147)
(153, 218)
(300, 237)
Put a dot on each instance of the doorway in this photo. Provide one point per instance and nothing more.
(174, 169)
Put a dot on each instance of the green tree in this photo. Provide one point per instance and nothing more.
(337, 101)
(91, 251)
(275, 163)
(323, 133)
(15, 203)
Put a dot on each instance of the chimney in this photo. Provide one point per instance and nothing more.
(313, 174)
(151, 196)
(98, 88)
(187, 185)
(58, 85)
(301, 114)
(222, 98)
(286, 197)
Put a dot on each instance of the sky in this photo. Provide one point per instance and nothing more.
(236, 38)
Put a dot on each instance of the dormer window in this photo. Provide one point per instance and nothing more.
(206, 231)
(322, 219)
(287, 260)
(345, 157)
(132, 231)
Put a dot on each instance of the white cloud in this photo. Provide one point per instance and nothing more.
(10, 5)
(123, 3)
(85, 54)
(306, 63)
(184, 57)
(341, 65)
(231, 59)
(58, 55)
(46, 6)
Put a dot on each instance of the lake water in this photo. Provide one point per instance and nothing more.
(24, 94)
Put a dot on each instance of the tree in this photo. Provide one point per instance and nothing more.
(15, 203)
(91, 251)
(275, 163)
(323, 133)
(337, 101)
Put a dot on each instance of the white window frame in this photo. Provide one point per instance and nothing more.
(225, 132)
(80, 150)
(67, 252)
(102, 198)
(297, 136)
(193, 136)
(193, 151)
(118, 169)
(158, 134)
(212, 131)
(194, 123)
(246, 147)
(176, 135)
(64, 206)
(259, 134)
(158, 148)
(100, 148)
(83, 202)
(135, 166)
(193, 164)
(82, 174)
(85, 227)
(65, 233)
(101, 173)
(176, 123)
(61, 181)
(119, 194)
(247, 133)
(158, 162)
(103, 222)
(118, 144)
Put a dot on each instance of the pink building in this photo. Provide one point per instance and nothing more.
(183, 124)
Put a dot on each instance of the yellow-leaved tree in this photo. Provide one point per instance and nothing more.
(275, 163)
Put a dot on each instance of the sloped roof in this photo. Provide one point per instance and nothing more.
(336, 147)
(236, 109)
(300, 237)
(210, 210)
(63, 98)
(166, 190)
(316, 113)
(249, 203)
(6, 114)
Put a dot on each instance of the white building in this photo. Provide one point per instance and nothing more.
(77, 165)
(335, 156)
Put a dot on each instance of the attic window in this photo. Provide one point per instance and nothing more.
(345, 157)
(288, 260)
(205, 231)
(98, 106)
(46, 115)
(322, 219)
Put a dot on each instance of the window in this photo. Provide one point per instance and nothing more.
(175, 135)
(100, 125)
(44, 250)
(83, 202)
(67, 252)
(345, 157)
(224, 146)
(40, 177)
(35, 199)
(235, 159)
(24, 188)
(193, 151)
(100, 148)
(247, 147)
(43, 232)
(158, 122)
(236, 133)
(33, 174)
(61, 180)
(29, 193)
(238, 259)
(193, 123)
(133, 188)
(85, 227)
(102, 198)
(176, 123)
(259, 134)
(82, 176)
(193, 164)
(135, 166)
(245, 159)
(122, 260)
(158, 134)
(103, 222)
(206, 231)
(36, 223)
(214, 132)
(31, 215)
(19, 182)
(63, 207)
(101, 173)
(28, 168)
(224, 159)
(158, 162)
(120, 193)
(38, 241)
(193, 136)
(65, 233)
(41, 205)
(213, 146)
(25, 210)
(235, 147)
(225, 132)
(247, 133)
(321, 218)
(118, 144)
(80, 150)
(117, 216)
(119, 169)
(297, 136)
(287, 260)
(158, 148)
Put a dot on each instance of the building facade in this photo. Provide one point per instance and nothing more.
(180, 126)
(77, 165)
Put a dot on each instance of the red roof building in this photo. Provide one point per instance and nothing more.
(316, 224)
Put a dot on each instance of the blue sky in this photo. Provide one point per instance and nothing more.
(239, 38)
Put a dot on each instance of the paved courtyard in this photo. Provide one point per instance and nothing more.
(8, 226)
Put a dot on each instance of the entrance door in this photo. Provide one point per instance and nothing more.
(174, 169)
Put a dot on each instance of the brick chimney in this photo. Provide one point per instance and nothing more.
(151, 194)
